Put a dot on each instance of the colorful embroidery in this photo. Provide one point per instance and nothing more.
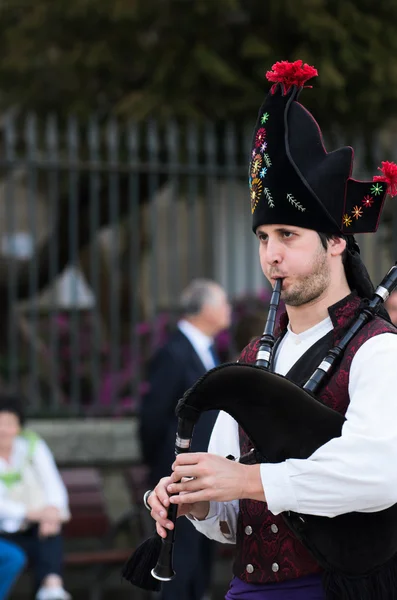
(269, 197)
(376, 189)
(253, 153)
(357, 212)
(260, 137)
(256, 165)
(264, 146)
(368, 201)
(267, 160)
(263, 172)
(265, 118)
(292, 200)
(347, 220)
(256, 190)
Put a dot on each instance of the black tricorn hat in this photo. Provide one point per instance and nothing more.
(294, 180)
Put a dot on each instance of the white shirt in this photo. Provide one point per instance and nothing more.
(354, 472)
(200, 342)
(12, 514)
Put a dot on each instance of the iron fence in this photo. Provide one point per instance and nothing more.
(102, 225)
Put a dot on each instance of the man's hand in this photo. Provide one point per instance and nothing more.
(159, 501)
(214, 478)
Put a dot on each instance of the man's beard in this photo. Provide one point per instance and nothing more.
(311, 286)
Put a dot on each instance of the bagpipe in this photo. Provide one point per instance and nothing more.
(358, 551)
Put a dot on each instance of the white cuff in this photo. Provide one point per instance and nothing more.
(279, 492)
(210, 526)
(211, 513)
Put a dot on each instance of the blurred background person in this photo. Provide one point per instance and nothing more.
(391, 307)
(187, 355)
(12, 562)
(33, 499)
(248, 327)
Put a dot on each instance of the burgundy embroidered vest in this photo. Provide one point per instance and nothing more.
(267, 550)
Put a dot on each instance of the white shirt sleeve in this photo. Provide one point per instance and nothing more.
(224, 441)
(357, 471)
(47, 471)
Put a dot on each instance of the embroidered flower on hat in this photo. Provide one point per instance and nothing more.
(269, 197)
(263, 172)
(265, 118)
(376, 189)
(256, 190)
(263, 146)
(256, 164)
(260, 136)
(292, 200)
(368, 201)
(357, 212)
(347, 220)
(267, 160)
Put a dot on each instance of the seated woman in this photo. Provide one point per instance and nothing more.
(33, 499)
(12, 561)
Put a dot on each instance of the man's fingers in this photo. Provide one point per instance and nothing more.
(161, 531)
(193, 485)
(163, 522)
(159, 512)
(191, 497)
(188, 458)
(185, 472)
(161, 517)
(159, 503)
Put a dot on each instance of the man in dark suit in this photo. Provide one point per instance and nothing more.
(188, 354)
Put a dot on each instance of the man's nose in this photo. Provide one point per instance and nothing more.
(274, 252)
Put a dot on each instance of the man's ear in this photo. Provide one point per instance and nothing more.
(337, 246)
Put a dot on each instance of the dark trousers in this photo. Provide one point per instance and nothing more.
(45, 554)
(193, 560)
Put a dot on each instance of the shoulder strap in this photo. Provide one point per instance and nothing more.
(32, 438)
(12, 477)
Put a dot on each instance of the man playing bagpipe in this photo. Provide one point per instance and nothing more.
(293, 512)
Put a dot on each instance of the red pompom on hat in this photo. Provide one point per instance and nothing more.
(289, 74)
(389, 170)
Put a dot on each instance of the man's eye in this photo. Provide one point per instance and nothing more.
(288, 234)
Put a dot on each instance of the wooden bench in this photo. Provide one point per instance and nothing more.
(90, 519)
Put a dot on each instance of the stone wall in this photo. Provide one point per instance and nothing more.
(101, 442)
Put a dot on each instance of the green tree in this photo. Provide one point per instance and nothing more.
(197, 58)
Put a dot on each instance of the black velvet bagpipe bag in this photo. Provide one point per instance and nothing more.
(284, 421)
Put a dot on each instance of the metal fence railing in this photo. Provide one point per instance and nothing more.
(101, 227)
